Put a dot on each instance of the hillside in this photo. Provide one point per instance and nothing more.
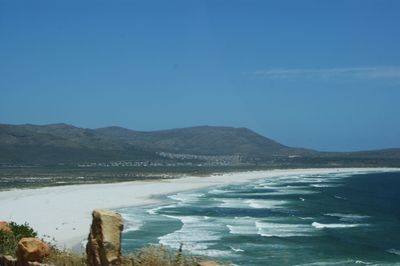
(201, 140)
(66, 144)
(61, 143)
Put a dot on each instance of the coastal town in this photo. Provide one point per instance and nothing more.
(173, 160)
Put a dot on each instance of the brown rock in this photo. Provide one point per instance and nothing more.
(8, 260)
(104, 241)
(5, 227)
(31, 249)
(208, 263)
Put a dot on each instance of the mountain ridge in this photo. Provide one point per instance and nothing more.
(64, 143)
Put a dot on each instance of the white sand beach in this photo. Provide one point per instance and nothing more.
(64, 213)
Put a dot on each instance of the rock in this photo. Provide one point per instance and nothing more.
(104, 241)
(7, 260)
(30, 249)
(5, 227)
(208, 263)
(35, 263)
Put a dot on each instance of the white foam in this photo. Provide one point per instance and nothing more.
(242, 229)
(184, 219)
(307, 179)
(219, 191)
(322, 226)
(233, 203)
(252, 203)
(268, 229)
(186, 197)
(324, 263)
(83, 244)
(339, 197)
(325, 185)
(362, 262)
(281, 191)
(348, 217)
(197, 234)
(213, 253)
(241, 225)
(348, 174)
(237, 249)
(265, 204)
(306, 218)
(155, 210)
(316, 181)
(292, 191)
(394, 251)
(243, 217)
(131, 222)
(264, 186)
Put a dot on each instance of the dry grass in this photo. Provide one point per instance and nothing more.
(159, 256)
(148, 256)
(65, 258)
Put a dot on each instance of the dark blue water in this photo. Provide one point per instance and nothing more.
(332, 219)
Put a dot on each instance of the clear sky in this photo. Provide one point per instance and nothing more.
(318, 74)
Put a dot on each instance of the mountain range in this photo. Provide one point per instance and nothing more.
(66, 144)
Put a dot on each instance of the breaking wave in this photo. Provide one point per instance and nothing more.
(282, 230)
(348, 217)
(197, 235)
(322, 226)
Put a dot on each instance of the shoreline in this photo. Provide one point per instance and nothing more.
(63, 213)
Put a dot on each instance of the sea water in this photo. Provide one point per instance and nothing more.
(332, 219)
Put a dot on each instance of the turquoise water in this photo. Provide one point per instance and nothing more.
(333, 219)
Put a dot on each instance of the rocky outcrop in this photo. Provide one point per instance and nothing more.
(31, 249)
(5, 227)
(7, 260)
(35, 263)
(104, 241)
(208, 263)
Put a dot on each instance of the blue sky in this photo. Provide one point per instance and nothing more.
(318, 74)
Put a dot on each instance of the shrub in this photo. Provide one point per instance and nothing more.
(159, 256)
(64, 258)
(9, 241)
(22, 230)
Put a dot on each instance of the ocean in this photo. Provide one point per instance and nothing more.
(330, 219)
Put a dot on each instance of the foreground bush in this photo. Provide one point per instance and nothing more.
(159, 256)
(148, 256)
(9, 240)
(64, 258)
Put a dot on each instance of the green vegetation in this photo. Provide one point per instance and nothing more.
(9, 240)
